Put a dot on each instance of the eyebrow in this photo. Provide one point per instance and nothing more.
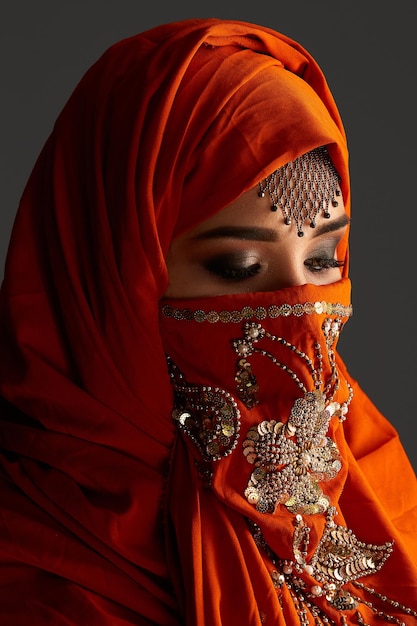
(257, 233)
(330, 227)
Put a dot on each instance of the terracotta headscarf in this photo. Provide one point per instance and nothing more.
(167, 127)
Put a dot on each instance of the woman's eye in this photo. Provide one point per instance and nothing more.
(318, 264)
(233, 269)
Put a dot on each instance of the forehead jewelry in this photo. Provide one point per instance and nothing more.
(303, 188)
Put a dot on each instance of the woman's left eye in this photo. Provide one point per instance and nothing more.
(233, 267)
(318, 264)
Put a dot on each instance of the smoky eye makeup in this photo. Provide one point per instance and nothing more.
(232, 266)
(324, 257)
(319, 264)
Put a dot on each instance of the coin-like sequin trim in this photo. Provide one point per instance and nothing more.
(259, 313)
(330, 578)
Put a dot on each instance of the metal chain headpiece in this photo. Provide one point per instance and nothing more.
(303, 187)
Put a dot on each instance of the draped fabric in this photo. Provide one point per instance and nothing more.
(165, 129)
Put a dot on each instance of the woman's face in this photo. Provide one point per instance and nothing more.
(246, 247)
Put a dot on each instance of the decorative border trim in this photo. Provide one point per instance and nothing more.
(259, 313)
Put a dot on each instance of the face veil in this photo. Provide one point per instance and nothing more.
(260, 403)
(165, 129)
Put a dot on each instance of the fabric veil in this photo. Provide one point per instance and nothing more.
(166, 128)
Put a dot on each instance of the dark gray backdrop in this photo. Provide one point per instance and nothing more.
(367, 51)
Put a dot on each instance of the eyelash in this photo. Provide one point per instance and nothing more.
(234, 274)
(318, 264)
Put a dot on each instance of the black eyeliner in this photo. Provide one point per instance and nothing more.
(234, 267)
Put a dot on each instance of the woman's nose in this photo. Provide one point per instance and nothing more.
(289, 273)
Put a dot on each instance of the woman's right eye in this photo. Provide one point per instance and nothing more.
(233, 269)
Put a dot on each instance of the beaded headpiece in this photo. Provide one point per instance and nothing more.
(303, 187)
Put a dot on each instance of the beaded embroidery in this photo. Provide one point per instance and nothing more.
(258, 313)
(208, 415)
(339, 559)
(291, 459)
(288, 471)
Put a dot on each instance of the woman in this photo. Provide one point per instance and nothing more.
(181, 443)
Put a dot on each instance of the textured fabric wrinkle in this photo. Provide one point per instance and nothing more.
(240, 136)
(212, 580)
(49, 594)
(74, 507)
(400, 508)
(295, 58)
(112, 309)
(371, 502)
(187, 565)
(371, 497)
(379, 430)
(199, 132)
(67, 537)
(76, 303)
(264, 40)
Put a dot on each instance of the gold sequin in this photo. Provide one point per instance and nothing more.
(259, 313)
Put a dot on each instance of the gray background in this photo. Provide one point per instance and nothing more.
(367, 51)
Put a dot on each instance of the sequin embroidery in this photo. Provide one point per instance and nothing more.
(331, 576)
(291, 459)
(259, 313)
(208, 415)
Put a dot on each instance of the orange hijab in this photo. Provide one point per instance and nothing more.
(167, 127)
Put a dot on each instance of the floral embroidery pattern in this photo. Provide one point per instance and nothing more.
(291, 459)
(332, 574)
(207, 415)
